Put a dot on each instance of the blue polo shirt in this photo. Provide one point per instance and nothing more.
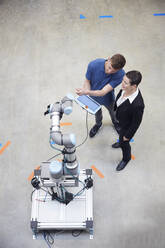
(98, 79)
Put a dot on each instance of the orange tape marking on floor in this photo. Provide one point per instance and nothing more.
(5, 146)
(97, 171)
(32, 174)
(133, 157)
(65, 124)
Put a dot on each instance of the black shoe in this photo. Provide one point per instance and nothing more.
(116, 145)
(94, 130)
(121, 165)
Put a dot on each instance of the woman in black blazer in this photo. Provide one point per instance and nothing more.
(129, 107)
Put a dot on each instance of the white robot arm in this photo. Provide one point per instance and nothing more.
(70, 164)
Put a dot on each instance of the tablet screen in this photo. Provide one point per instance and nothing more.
(89, 102)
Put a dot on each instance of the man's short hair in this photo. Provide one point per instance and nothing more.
(118, 61)
(135, 77)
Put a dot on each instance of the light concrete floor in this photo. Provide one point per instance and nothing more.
(44, 51)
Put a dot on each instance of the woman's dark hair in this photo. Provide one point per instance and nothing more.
(135, 77)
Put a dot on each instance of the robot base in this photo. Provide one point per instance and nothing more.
(48, 214)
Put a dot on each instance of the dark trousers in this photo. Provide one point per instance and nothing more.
(99, 115)
(125, 147)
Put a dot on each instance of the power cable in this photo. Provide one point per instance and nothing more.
(48, 238)
(54, 156)
(76, 233)
(87, 131)
(32, 194)
(54, 146)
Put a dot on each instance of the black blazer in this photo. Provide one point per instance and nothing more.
(129, 114)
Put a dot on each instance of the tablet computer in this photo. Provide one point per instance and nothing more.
(88, 103)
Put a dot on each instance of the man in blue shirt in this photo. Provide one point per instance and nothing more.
(102, 77)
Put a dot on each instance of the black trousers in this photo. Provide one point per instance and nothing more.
(99, 115)
(125, 147)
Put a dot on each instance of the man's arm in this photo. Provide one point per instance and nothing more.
(86, 84)
(87, 91)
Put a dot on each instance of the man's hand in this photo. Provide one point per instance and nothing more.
(81, 91)
(85, 91)
(125, 139)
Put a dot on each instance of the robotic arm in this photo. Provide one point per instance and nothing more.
(70, 164)
(56, 112)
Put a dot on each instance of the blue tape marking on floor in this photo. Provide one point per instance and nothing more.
(0, 144)
(106, 16)
(82, 16)
(132, 140)
(159, 14)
